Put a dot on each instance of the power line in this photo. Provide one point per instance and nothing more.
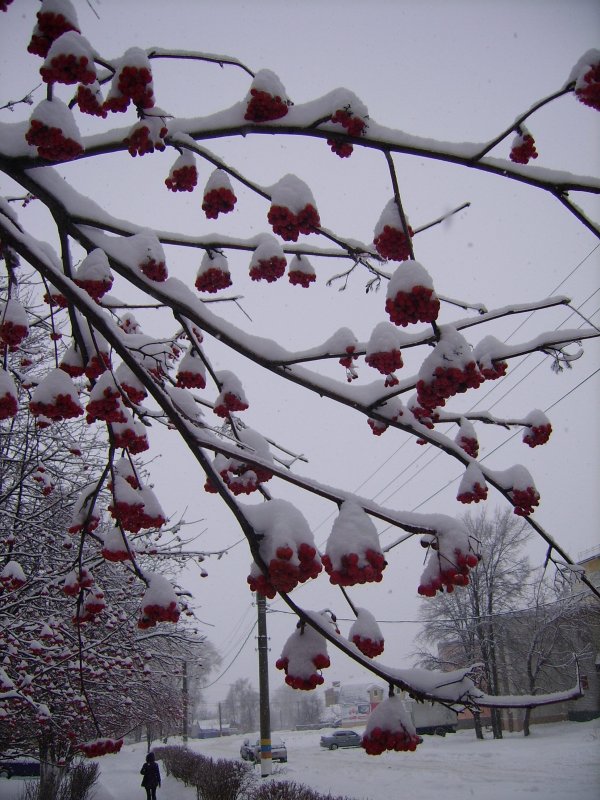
(232, 662)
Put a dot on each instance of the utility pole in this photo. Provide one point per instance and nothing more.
(184, 691)
(266, 761)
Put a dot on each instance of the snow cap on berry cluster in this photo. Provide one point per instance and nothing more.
(353, 552)
(301, 271)
(191, 373)
(94, 274)
(280, 524)
(9, 399)
(267, 99)
(114, 546)
(146, 252)
(53, 130)
(451, 555)
(213, 273)
(268, 260)
(12, 575)
(56, 397)
(132, 81)
(183, 175)
(451, 353)
(389, 216)
(159, 603)
(472, 487)
(292, 192)
(366, 634)
(70, 60)
(55, 17)
(538, 428)
(232, 396)
(81, 511)
(521, 488)
(14, 325)
(466, 438)
(390, 727)
(586, 75)
(302, 655)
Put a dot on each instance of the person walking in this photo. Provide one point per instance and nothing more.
(151, 774)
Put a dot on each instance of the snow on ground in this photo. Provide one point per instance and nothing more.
(557, 761)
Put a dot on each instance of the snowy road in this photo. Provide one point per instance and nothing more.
(558, 761)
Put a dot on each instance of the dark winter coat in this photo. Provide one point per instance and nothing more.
(151, 774)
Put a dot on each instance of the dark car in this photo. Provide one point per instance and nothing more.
(341, 739)
(19, 767)
(251, 752)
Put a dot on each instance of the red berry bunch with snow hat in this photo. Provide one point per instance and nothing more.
(132, 82)
(451, 555)
(538, 430)
(183, 175)
(521, 489)
(239, 476)
(159, 603)
(70, 60)
(52, 130)
(473, 487)
(286, 547)
(390, 727)
(148, 134)
(148, 252)
(353, 553)
(14, 326)
(268, 261)
(94, 274)
(301, 272)
(366, 634)
(449, 370)
(383, 352)
(133, 509)
(390, 238)
(9, 398)
(587, 79)
(55, 397)
(219, 197)
(410, 295)
(352, 118)
(523, 147)
(293, 209)
(303, 656)
(231, 396)
(213, 273)
(54, 18)
(267, 99)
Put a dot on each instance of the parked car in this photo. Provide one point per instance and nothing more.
(21, 767)
(341, 739)
(251, 752)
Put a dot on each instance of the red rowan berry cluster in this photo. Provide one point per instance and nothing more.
(454, 573)
(286, 570)
(227, 403)
(300, 682)
(537, 434)
(218, 201)
(96, 365)
(39, 475)
(587, 89)
(12, 577)
(354, 125)
(74, 582)
(523, 149)
(59, 406)
(393, 244)
(99, 747)
(268, 269)
(95, 289)
(493, 370)
(51, 143)
(146, 137)
(301, 272)
(476, 493)
(190, 379)
(377, 426)
(8, 403)
(243, 478)
(289, 225)
(212, 280)
(49, 28)
(154, 270)
(115, 547)
(89, 99)
(105, 405)
(128, 437)
(387, 362)
(367, 646)
(446, 382)
(525, 500)
(469, 444)
(378, 740)
(12, 334)
(68, 68)
(54, 298)
(418, 305)
(182, 179)
(356, 569)
(153, 613)
(132, 84)
(264, 107)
